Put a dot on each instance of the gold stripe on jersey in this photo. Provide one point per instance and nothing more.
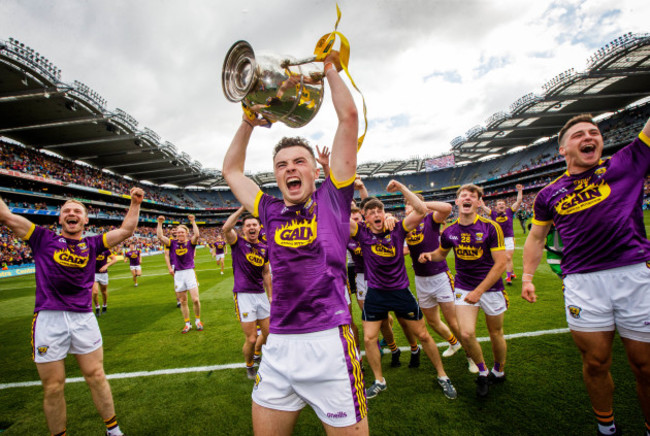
(501, 245)
(105, 242)
(359, 392)
(343, 183)
(451, 279)
(256, 206)
(29, 232)
(507, 298)
(644, 138)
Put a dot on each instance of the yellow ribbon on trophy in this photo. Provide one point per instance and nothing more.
(323, 48)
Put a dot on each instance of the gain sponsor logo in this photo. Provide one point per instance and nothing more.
(178, 251)
(382, 250)
(297, 234)
(415, 237)
(586, 195)
(502, 219)
(574, 311)
(255, 259)
(65, 258)
(467, 252)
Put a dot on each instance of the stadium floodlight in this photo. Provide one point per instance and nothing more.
(496, 118)
(475, 131)
(126, 118)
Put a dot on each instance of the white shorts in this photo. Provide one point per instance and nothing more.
(101, 278)
(135, 268)
(251, 306)
(362, 286)
(184, 280)
(55, 333)
(322, 369)
(435, 289)
(221, 256)
(492, 303)
(614, 298)
(509, 243)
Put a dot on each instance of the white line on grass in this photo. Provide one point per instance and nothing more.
(122, 375)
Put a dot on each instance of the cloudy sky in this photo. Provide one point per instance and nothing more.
(429, 69)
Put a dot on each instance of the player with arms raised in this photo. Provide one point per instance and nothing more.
(310, 356)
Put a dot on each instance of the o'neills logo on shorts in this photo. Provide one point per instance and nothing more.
(467, 252)
(585, 196)
(337, 415)
(65, 258)
(297, 234)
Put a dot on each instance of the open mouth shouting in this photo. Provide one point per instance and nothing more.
(293, 185)
(588, 151)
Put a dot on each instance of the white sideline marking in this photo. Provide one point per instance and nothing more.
(122, 375)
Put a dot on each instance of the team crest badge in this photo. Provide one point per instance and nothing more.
(458, 295)
(258, 379)
(600, 171)
(574, 311)
(42, 350)
(479, 237)
(245, 314)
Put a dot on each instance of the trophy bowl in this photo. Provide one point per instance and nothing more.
(279, 88)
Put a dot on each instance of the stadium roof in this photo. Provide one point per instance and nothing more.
(40, 111)
(617, 75)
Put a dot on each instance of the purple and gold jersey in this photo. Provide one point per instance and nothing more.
(383, 255)
(504, 220)
(598, 213)
(306, 245)
(102, 260)
(424, 238)
(248, 262)
(473, 246)
(219, 247)
(134, 257)
(181, 254)
(65, 269)
(357, 256)
(262, 235)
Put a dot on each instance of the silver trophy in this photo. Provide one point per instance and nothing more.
(279, 88)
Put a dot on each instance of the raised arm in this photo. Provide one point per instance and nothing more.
(533, 252)
(440, 209)
(245, 189)
(130, 221)
(359, 186)
(323, 158)
(228, 228)
(266, 278)
(343, 161)
(159, 231)
(195, 230)
(168, 262)
(520, 197)
(486, 210)
(16, 223)
(646, 129)
(419, 208)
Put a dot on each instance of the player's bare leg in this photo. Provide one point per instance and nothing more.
(271, 422)
(370, 336)
(52, 376)
(92, 368)
(638, 354)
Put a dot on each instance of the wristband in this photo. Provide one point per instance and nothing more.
(527, 274)
(249, 123)
(328, 66)
(527, 281)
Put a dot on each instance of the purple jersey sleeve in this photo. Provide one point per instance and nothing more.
(248, 262)
(425, 238)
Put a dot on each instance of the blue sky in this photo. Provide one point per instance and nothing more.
(429, 70)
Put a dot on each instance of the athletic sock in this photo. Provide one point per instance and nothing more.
(250, 365)
(453, 340)
(393, 347)
(482, 369)
(197, 321)
(187, 322)
(508, 273)
(605, 421)
(415, 348)
(112, 429)
(647, 428)
(497, 369)
(63, 433)
(105, 305)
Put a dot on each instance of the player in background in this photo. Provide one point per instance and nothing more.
(310, 356)
(434, 282)
(181, 255)
(480, 261)
(388, 285)
(220, 251)
(103, 261)
(170, 266)
(250, 267)
(596, 207)
(134, 256)
(63, 314)
(504, 216)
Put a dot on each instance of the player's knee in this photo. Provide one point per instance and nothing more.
(53, 387)
(595, 365)
(467, 336)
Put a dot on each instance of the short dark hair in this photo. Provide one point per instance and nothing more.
(248, 216)
(354, 209)
(471, 188)
(295, 141)
(373, 203)
(582, 118)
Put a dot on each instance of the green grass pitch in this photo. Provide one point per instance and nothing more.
(544, 393)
